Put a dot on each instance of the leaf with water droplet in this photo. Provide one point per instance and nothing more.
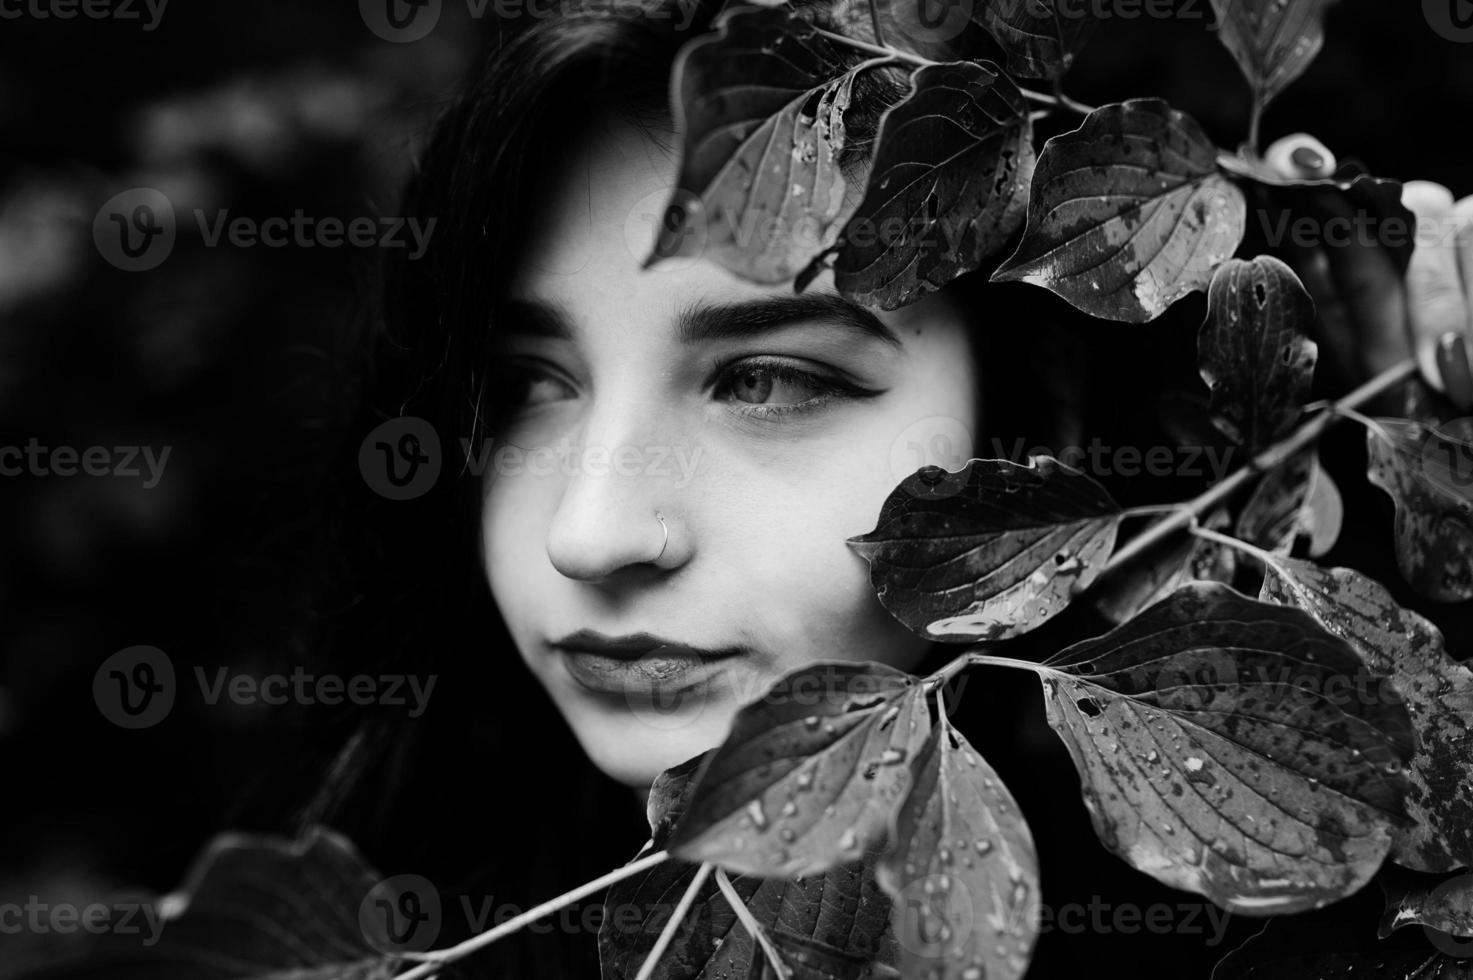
(1254, 351)
(1273, 41)
(1404, 645)
(838, 776)
(949, 916)
(952, 164)
(1128, 213)
(988, 552)
(760, 111)
(1267, 701)
(1445, 905)
(1428, 473)
(830, 926)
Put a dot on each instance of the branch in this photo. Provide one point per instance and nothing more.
(676, 917)
(758, 933)
(1291, 444)
(435, 960)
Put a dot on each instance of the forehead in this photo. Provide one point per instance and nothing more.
(596, 223)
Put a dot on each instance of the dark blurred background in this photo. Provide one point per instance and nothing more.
(230, 356)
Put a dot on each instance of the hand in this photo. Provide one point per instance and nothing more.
(1371, 316)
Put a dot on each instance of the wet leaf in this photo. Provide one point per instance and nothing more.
(991, 551)
(1041, 37)
(1225, 750)
(810, 775)
(259, 908)
(1405, 646)
(1290, 948)
(1429, 476)
(1446, 906)
(1254, 351)
(1128, 213)
(962, 870)
(1165, 568)
(831, 926)
(1295, 498)
(947, 189)
(761, 117)
(1273, 41)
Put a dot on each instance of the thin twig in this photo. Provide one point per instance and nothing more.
(1266, 460)
(668, 933)
(745, 915)
(436, 960)
(1227, 540)
(874, 19)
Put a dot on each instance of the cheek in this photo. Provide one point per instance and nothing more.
(512, 540)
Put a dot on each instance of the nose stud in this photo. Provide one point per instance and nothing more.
(663, 527)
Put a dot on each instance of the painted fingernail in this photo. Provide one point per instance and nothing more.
(1453, 365)
(1307, 158)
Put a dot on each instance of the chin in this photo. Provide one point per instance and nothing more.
(633, 747)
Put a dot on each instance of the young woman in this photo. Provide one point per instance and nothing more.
(595, 621)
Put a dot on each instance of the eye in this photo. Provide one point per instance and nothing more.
(523, 384)
(769, 386)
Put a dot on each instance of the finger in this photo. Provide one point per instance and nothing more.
(1300, 157)
(1436, 305)
(1369, 285)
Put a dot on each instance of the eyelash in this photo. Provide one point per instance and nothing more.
(827, 387)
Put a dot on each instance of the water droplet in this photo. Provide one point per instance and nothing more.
(811, 722)
(1194, 764)
(849, 841)
(983, 847)
(789, 808)
(891, 756)
(756, 815)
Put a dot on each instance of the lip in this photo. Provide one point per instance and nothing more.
(638, 665)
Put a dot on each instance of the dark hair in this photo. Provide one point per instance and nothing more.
(488, 794)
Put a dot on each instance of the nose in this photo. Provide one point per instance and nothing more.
(606, 520)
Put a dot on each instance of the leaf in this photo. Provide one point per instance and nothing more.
(1221, 755)
(1429, 476)
(1041, 37)
(1295, 498)
(1254, 351)
(810, 775)
(1446, 906)
(1165, 568)
(1273, 41)
(761, 116)
(947, 188)
(1405, 646)
(962, 869)
(822, 925)
(1128, 213)
(991, 551)
(1351, 191)
(1298, 949)
(263, 908)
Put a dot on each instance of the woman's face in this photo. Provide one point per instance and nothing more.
(764, 426)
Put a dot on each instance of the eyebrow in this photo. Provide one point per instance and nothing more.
(699, 322)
